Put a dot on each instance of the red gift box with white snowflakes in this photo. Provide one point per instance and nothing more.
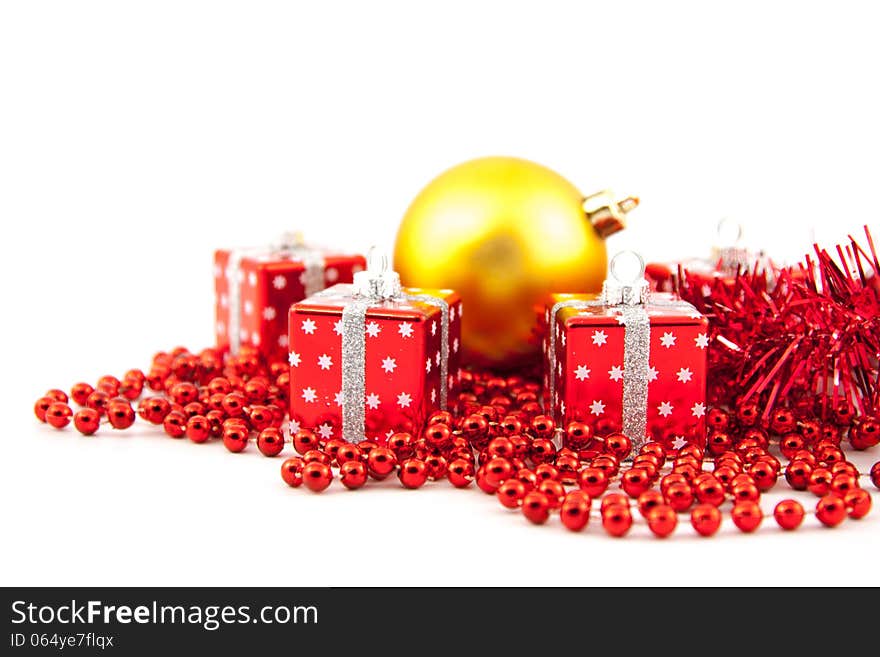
(399, 365)
(255, 288)
(597, 373)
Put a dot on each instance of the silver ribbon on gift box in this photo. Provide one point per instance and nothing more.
(373, 286)
(290, 246)
(627, 292)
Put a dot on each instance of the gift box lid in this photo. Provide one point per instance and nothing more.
(332, 300)
(663, 310)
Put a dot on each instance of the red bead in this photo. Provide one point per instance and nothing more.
(353, 474)
(858, 502)
(461, 473)
(120, 414)
(439, 436)
(554, 491)
(317, 455)
(746, 516)
(80, 392)
(607, 463)
(58, 414)
(235, 438)
(789, 514)
(592, 481)
(41, 406)
(131, 389)
(198, 429)
(154, 409)
(546, 471)
(401, 444)
(648, 500)
(661, 520)
(536, 507)
(568, 469)
(316, 476)
(528, 478)
(705, 519)
(843, 483)
(719, 442)
(875, 474)
(381, 462)
(332, 447)
(717, 419)
(437, 467)
(498, 470)
(87, 421)
(797, 474)
(764, 475)
(542, 450)
(616, 519)
(304, 440)
(270, 441)
(748, 414)
(500, 446)
(709, 492)
(656, 450)
(575, 511)
(413, 473)
(511, 493)
(57, 395)
(618, 444)
(745, 492)
(349, 452)
(291, 471)
(634, 482)
(613, 498)
(679, 496)
(233, 403)
(174, 424)
(543, 426)
(578, 435)
(865, 433)
(831, 510)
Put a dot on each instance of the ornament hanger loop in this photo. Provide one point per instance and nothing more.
(729, 232)
(377, 260)
(628, 267)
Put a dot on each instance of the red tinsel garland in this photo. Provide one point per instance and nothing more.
(806, 338)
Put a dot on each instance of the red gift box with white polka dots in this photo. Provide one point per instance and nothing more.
(401, 362)
(269, 283)
(589, 348)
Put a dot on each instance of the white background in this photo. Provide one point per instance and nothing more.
(137, 137)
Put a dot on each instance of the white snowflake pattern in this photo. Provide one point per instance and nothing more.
(428, 366)
(665, 409)
(218, 271)
(332, 274)
(388, 364)
(372, 329)
(450, 381)
(252, 279)
(337, 327)
(597, 407)
(652, 374)
(437, 358)
(404, 400)
(455, 345)
(221, 328)
(559, 369)
(293, 426)
(255, 339)
(309, 395)
(615, 373)
(698, 409)
(325, 430)
(224, 301)
(702, 340)
(282, 340)
(685, 374)
(339, 398)
(243, 335)
(433, 395)
(452, 314)
(308, 326)
(667, 339)
(269, 313)
(434, 327)
(279, 282)
(562, 408)
(600, 338)
(582, 372)
(405, 329)
(373, 401)
(325, 362)
(389, 433)
(679, 442)
(248, 307)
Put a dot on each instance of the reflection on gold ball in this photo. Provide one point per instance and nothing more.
(504, 233)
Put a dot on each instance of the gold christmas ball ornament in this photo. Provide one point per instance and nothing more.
(505, 233)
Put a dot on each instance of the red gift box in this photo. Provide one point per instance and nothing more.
(389, 344)
(636, 367)
(256, 287)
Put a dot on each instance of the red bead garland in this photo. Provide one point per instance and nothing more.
(495, 436)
